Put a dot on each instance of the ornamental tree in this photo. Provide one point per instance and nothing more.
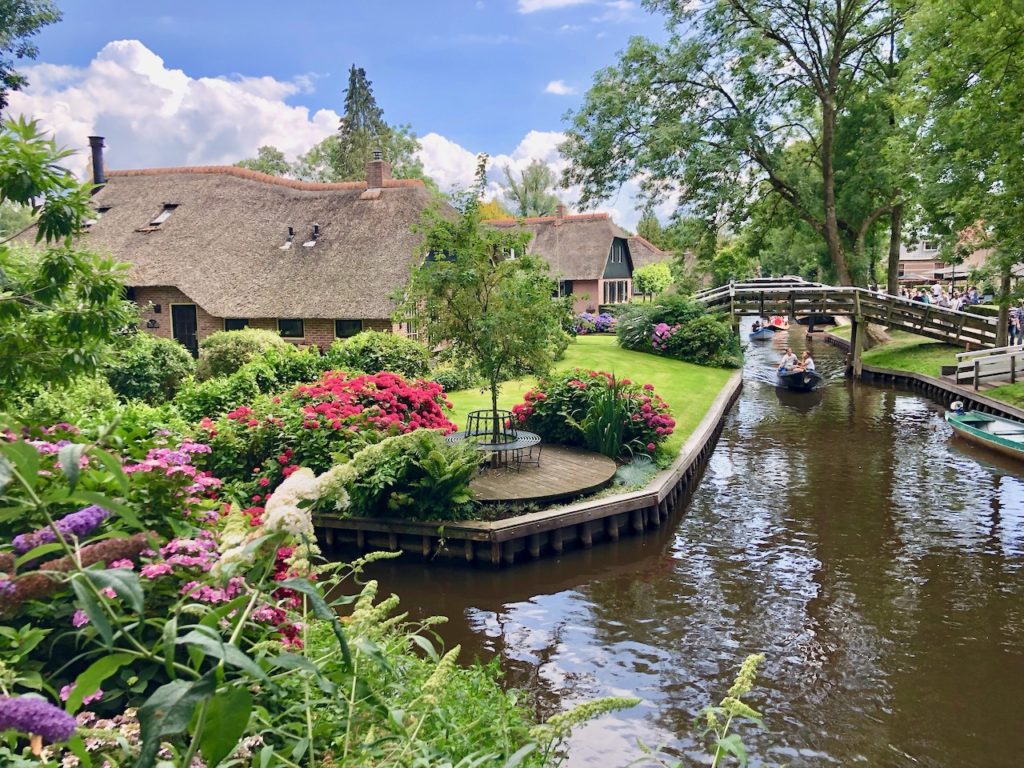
(479, 290)
(651, 279)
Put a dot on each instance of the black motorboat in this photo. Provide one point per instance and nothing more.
(799, 381)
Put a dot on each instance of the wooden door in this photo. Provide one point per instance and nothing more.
(185, 327)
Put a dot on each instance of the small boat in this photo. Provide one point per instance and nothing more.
(817, 320)
(995, 432)
(762, 333)
(778, 323)
(799, 381)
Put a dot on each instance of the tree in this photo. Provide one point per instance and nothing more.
(479, 290)
(269, 160)
(59, 307)
(652, 279)
(968, 76)
(20, 20)
(649, 228)
(531, 195)
(492, 209)
(14, 218)
(710, 113)
(362, 131)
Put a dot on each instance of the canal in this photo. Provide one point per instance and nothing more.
(873, 559)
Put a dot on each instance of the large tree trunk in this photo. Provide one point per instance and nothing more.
(828, 178)
(1005, 275)
(892, 281)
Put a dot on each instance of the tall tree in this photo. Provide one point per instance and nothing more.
(649, 228)
(711, 112)
(531, 195)
(968, 67)
(361, 131)
(492, 209)
(269, 160)
(497, 310)
(20, 21)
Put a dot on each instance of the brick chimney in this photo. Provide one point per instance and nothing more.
(560, 211)
(377, 171)
(99, 175)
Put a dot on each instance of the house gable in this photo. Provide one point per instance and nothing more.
(619, 263)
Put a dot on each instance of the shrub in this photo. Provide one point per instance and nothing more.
(224, 352)
(593, 408)
(454, 376)
(75, 403)
(376, 351)
(216, 396)
(313, 426)
(149, 368)
(678, 327)
(588, 322)
(416, 476)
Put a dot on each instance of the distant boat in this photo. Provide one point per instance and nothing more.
(762, 333)
(799, 381)
(778, 323)
(995, 432)
(817, 319)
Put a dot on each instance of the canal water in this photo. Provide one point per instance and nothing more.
(875, 560)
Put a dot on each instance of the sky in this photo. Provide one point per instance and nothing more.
(200, 83)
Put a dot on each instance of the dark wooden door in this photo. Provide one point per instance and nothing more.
(185, 327)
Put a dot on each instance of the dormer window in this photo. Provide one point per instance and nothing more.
(164, 214)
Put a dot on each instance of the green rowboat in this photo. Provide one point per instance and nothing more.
(990, 431)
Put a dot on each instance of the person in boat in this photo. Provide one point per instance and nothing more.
(788, 360)
(756, 327)
(806, 362)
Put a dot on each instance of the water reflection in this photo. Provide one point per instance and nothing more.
(876, 562)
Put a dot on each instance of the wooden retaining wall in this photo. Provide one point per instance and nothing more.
(551, 531)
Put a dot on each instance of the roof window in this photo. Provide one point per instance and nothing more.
(164, 215)
(288, 240)
(95, 217)
(313, 237)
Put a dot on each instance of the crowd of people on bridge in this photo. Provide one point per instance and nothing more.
(939, 296)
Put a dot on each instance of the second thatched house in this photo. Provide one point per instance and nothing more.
(592, 258)
(220, 248)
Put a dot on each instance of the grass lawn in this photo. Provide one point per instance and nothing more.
(1011, 394)
(688, 389)
(842, 331)
(907, 352)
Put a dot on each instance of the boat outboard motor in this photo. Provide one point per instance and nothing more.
(957, 406)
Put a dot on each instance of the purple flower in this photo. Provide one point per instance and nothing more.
(79, 524)
(27, 714)
(67, 690)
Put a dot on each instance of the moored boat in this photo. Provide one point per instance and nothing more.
(799, 381)
(816, 320)
(762, 333)
(999, 434)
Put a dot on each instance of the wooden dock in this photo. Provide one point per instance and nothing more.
(564, 473)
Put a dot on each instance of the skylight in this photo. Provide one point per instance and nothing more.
(313, 237)
(96, 217)
(288, 240)
(164, 215)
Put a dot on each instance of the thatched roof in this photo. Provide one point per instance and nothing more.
(575, 246)
(222, 245)
(643, 252)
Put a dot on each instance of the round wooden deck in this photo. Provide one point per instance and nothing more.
(563, 473)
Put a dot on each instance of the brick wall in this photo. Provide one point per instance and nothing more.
(588, 288)
(316, 330)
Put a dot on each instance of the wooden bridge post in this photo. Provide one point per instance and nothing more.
(857, 330)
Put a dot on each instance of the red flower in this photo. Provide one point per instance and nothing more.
(264, 482)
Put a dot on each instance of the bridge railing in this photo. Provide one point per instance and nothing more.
(1008, 366)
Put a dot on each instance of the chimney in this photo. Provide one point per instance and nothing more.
(99, 176)
(377, 171)
(560, 211)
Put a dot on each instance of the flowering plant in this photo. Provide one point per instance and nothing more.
(589, 322)
(559, 407)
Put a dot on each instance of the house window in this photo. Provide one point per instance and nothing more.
(616, 291)
(564, 287)
(930, 245)
(164, 215)
(291, 329)
(345, 328)
(901, 270)
(235, 323)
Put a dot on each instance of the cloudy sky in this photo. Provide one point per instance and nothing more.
(208, 81)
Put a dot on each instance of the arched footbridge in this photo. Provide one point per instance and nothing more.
(796, 298)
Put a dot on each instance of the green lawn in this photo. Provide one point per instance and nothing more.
(688, 389)
(1011, 394)
(842, 331)
(907, 352)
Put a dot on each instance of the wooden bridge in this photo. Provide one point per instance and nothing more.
(794, 297)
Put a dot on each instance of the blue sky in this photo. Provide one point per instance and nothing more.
(206, 82)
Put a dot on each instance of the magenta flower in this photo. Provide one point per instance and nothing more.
(79, 619)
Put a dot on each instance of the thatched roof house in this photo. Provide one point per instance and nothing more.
(592, 257)
(223, 247)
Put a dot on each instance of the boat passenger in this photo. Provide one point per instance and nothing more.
(756, 327)
(806, 362)
(788, 360)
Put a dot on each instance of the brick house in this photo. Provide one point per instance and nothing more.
(592, 258)
(220, 248)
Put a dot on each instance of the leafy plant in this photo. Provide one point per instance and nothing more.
(224, 352)
(376, 351)
(149, 368)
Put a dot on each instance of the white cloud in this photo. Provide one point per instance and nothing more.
(152, 115)
(617, 11)
(530, 6)
(559, 88)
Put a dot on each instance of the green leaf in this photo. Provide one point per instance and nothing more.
(77, 747)
(23, 458)
(168, 711)
(92, 608)
(227, 717)
(34, 554)
(112, 465)
(124, 582)
(68, 457)
(294, 661)
(734, 746)
(6, 475)
(210, 642)
(520, 755)
(124, 511)
(170, 634)
(92, 678)
(321, 609)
